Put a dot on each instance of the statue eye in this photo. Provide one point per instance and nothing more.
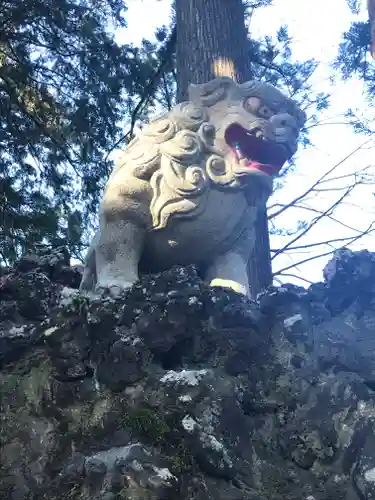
(265, 112)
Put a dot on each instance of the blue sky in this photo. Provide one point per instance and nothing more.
(316, 27)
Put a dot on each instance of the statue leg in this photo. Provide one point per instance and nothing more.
(88, 280)
(229, 270)
(117, 255)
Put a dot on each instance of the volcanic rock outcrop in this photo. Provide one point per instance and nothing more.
(179, 391)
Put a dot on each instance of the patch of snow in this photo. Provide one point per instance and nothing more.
(16, 331)
(193, 300)
(185, 398)
(210, 417)
(186, 377)
(289, 322)
(131, 341)
(50, 330)
(361, 407)
(164, 474)
(68, 295)
(109, 457)
(96, 381)
(210, 441)
(338, 479)
(137, 466)
(92, 318)
(370, 475)
(189, 424)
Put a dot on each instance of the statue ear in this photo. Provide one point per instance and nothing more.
(218, 89)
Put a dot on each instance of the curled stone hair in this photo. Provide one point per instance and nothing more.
(174, 160)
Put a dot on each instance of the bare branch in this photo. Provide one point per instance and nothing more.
(314, 257)
(327, 190)
(316, 183)
(295, 276)
(345, 176)
(330, 216)
(310, 245)
(315, 221)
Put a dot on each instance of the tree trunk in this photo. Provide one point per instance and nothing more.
(212, 41)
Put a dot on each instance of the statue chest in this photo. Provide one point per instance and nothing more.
(196, 238)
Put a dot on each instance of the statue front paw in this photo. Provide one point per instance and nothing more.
(241, 288)
(113, 288)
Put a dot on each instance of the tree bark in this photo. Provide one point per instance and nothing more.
(371, 15)
(212, 41)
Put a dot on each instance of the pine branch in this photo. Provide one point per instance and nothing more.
(165, 53)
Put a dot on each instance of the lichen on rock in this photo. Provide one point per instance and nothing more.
(175, 390)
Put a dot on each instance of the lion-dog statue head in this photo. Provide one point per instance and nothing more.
(193, 178)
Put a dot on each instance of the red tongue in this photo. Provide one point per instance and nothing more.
(259, 153)
(262, 167)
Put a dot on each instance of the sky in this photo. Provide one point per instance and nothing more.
(316, 27)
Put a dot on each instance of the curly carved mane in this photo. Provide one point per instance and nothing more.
(174, 157)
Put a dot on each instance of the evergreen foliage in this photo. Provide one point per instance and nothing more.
(354, 56)
(70, 95)
(63, 86)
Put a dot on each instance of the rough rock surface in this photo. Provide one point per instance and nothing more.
(176, 391)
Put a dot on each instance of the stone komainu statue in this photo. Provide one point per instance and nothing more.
(188, 187)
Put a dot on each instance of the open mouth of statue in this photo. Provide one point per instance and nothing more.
(253, 150)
